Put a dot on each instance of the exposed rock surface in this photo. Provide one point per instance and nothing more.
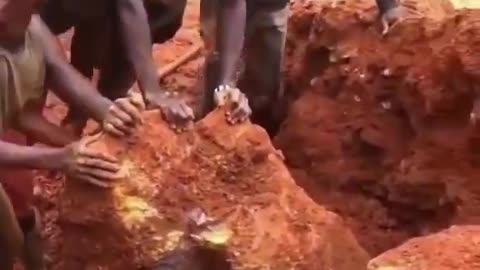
(380, 131)
(457, 248)
(233, 173)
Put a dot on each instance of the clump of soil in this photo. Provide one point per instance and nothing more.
(380, 131)
(457, 248)
(232, 173)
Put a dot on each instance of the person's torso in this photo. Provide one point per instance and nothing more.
(22, 79)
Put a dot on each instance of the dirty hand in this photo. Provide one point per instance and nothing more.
(124, 115)
(239, 110)
(88, 165)
(175, 111)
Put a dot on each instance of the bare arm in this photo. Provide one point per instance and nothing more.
(133, 21)
(232, 18)
(65, 81)
(32, 123)
(31, 157)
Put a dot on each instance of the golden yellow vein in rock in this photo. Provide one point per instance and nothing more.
(216, 235)
(134, 210)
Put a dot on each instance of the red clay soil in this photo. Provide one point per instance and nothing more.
(457, 248)
(233, 173)
(49, 187)
(380, 131)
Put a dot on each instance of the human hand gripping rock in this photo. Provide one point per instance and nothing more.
(89, 165)
(175, 111)
(124, 115)
(238, 109)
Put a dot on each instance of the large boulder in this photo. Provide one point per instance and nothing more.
(229, 174)
(380, 131)
(457, 248)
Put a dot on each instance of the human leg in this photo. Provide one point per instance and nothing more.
(83, 59)
(385, 5)
(11, 237)
(262, 77)
(33, 248)
(116, 73)
(209, 79)
(16, 199)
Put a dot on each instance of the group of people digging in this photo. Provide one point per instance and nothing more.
(116, 37)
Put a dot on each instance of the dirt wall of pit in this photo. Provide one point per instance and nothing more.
(380, 129)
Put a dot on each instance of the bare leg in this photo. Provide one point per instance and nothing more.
(83, 60)
(262, 81)
(11, 238)
(210, 78)
(116, 73)
(390, 13)
(33, 249)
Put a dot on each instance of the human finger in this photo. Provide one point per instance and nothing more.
(137, 100)
(91, 180)
(99, 162)
(121, 114)
(99, 174)
(128, 107)
(110, 128)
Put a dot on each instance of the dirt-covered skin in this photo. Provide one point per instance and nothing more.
(380, 133)
(457, 248)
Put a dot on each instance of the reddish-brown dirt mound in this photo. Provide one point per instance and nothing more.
(380, 131)
(457, 248)
(233, 173)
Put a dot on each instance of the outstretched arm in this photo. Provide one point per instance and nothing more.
(32, 123)
(133, 22)
(31, 157)
(137, 41)
(231, 20)
(64, 80)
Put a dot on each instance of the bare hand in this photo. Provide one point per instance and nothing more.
(124, 115)
(175, 111)
(239, 110)
(94, 167)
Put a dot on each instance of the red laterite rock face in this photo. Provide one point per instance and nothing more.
(233, 174)
(454, 248)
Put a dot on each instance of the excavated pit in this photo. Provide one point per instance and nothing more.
(379, 131)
